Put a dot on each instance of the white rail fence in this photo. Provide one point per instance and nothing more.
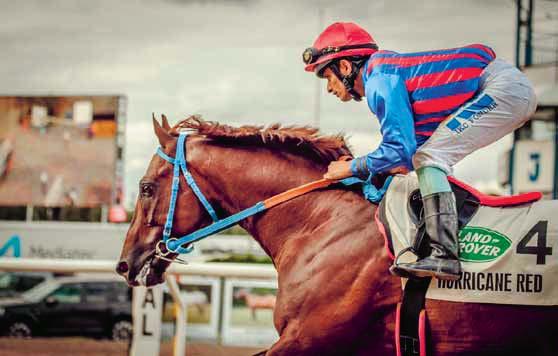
(232, 270)
(223, 271)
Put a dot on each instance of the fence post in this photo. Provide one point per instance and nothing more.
(179, 348)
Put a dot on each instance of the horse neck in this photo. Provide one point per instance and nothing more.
(237, 178)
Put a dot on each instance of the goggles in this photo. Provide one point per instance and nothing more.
(311, 54)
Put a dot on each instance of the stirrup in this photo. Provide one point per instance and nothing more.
(435, 268)
(395, 270)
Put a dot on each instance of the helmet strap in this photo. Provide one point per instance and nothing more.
(349, 80)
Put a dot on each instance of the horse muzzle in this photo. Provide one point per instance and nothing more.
(143, 270)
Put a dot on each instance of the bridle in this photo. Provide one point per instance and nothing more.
(174, 245)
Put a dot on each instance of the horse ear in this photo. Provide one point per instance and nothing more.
(162, 135)
(165, 123)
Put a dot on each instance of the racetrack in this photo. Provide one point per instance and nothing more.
(89, 347)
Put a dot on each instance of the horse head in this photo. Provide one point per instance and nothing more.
(139, 263)
(234, 168)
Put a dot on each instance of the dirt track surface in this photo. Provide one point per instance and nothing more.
(89, 347)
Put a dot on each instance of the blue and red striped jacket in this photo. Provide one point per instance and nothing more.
(411, 94)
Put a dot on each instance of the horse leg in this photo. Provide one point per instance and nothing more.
(294, 342)
(284, 347)
(289, 343)
(253, 314)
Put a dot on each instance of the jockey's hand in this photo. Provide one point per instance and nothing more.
(338, 170)
(399, 170)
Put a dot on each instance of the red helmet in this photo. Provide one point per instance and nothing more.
(341, 39)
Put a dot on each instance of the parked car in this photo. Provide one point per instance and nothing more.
(71, 306)
(12, 284)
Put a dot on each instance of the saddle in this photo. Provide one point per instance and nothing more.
(468, 200)
(497, 238)
(505, 243)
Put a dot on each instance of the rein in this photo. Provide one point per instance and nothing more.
(174, 245)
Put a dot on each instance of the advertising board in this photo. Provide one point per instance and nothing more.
(61, 150)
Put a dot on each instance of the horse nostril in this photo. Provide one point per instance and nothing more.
(122, 267)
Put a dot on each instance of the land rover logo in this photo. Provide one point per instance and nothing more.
(479, 244)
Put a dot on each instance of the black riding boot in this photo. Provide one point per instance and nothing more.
(440, 216)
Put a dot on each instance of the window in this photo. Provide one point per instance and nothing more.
(13, 213)
(123, 292)
(28, 282)
(97, 292)
(6, 280)
(66, 213)
(68, 294)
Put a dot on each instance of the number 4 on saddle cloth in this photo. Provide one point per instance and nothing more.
(506, 249)
(507, 245)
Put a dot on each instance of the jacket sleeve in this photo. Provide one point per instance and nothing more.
(388, 98)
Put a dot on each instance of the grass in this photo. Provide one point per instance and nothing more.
(242, 316)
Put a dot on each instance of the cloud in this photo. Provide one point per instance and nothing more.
(232, 62)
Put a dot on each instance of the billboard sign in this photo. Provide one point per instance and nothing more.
(60, 151)
(82, 241)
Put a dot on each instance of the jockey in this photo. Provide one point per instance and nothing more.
(434, 108)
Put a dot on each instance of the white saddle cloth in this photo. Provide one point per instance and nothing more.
(509, 255)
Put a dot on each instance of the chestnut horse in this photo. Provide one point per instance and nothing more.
(336, 296)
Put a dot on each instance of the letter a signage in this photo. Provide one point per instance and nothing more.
(147, 308)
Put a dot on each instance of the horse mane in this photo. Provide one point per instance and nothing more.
(299, 139)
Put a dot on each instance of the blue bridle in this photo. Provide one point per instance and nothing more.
(174, 245)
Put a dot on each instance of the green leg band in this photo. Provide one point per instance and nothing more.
(432, 180)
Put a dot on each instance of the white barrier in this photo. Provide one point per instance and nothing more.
(238, 270)
(180, 337)
(223, 270)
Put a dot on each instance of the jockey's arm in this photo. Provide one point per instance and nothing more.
(388, 98)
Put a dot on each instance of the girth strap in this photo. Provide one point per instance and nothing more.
(411, 314)
(411, 333)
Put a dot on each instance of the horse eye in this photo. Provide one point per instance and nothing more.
(147, 190)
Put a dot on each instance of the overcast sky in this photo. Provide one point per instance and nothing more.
(231, 61)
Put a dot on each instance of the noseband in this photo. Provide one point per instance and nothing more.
(175, 245)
